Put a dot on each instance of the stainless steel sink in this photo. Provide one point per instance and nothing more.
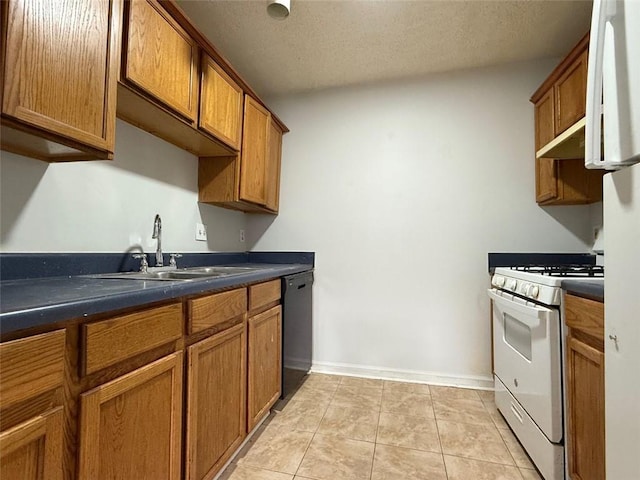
(182, 274)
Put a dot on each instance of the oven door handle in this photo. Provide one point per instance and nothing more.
(526, 312)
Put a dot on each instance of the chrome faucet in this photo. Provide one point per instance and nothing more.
(157, 233)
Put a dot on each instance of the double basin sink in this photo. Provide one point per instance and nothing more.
(184, 274)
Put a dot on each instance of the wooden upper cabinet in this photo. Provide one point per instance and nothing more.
(274, 156)
(558, 104)
(59, 75)
(220, 104)
(545, 118)
(255, 143)
(160, 58)
(131, 427)
(546, 180)
(570, 92)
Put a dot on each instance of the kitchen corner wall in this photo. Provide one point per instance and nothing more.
(109, 206)
(402, 189)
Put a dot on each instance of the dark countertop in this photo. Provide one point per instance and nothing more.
(517, 259)
(590, 290)
(32, 302)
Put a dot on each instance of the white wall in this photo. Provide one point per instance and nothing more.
(401, 190)
(109, 206)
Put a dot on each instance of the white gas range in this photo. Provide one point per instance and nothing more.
(528, 346)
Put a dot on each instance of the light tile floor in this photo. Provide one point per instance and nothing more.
(348, 428)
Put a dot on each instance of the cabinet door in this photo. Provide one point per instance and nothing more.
(265, 363)
(255, 138)
(546, 180)
(61, 68)
(131, 427)
(273, 167)
(216, 401)
(33, 449)
(544, 118)
(571, 94)
(585, 385)
(220, 104)
(161, 58)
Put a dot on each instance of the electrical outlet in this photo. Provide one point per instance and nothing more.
(201, 232)
(241, 235)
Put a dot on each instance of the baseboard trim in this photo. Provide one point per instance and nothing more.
(479, 382)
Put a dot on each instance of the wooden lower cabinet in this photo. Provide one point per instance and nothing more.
(105, 399)
(131, 427)
(585, 389)
(31, 411)
(265, 364)
(216, 401)
(33, 449)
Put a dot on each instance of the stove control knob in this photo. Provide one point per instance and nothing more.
(498, 281)
(513, 284)
(524, 288)
(534, 291)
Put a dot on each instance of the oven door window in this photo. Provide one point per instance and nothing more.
(518, 335)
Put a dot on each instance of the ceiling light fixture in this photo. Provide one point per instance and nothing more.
(279, 9)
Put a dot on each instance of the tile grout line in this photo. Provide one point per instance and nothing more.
(316, 430)
(375, 440)
(444, 464)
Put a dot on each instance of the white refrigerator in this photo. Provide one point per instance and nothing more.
(613, 122)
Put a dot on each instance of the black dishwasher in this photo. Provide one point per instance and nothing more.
(297, 333)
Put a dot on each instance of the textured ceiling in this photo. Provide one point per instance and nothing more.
(331, 43)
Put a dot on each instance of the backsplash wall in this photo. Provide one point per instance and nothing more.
(109, 206)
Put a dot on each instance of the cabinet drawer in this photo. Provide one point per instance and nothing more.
(111, 341)
(263, 294)
(211, 310)
(31, 366)
(584, 315)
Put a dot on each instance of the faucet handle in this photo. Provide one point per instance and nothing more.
(172, 259)
(144, 264)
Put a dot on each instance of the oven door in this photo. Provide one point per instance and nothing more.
(526, 349)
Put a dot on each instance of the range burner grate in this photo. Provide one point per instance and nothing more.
(563, 270)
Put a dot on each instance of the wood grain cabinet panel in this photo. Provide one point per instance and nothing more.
(131, 427)
(161, 58)
(111, 341)
(31, 366)
(265, 364)
(546, 180)
(264, 293)
(211, 310)
(33, 449)
(273, 167)
(558, 104)
(545, 118)
(254, 152)
(221, 101)
(216, 401)
(60, 71)
(570, 92)
(584, 367)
